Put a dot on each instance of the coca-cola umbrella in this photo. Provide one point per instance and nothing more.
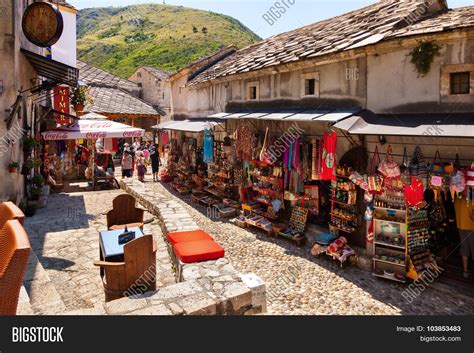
(93, 129)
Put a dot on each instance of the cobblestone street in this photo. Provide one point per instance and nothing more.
(64, 237)
(298, 283)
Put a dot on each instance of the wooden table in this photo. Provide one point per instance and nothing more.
(110, 249)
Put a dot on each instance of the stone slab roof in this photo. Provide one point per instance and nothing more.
(93, 76)
(158, 73)
(369, 25)
(116, 101)
(452, 19)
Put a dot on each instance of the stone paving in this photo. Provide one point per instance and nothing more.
(61, 277)
(298, 283)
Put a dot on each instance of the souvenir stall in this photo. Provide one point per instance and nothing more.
(66, 160)
(91, 131)
(219, 190)
(410, 211)
(288, 170)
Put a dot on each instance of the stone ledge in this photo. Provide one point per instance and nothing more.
(207, 288)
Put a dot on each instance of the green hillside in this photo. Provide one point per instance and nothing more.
(121, 39)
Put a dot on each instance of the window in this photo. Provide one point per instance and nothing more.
(139, 74)
(310, 87)
(252, 91)
(460, 83)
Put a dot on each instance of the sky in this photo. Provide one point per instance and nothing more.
(254, 13)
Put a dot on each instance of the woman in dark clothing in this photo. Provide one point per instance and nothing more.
(155, 161)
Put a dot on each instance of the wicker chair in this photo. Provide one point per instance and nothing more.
(9, 211)
(136, 275)
(14, 254)
(125, 213)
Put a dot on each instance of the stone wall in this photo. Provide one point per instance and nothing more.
(15, 74)
(206, 288)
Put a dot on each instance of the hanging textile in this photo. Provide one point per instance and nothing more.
(414, 193)
(208, 146)
(329, 156)
(314, 160)
(243, 145)
(165, 138)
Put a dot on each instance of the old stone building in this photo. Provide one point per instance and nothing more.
(118, 98)
(24, 72)
(155, 89)
(359, 64)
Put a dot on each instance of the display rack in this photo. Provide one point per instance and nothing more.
(418, 252)
(390, 229)
(343, 206)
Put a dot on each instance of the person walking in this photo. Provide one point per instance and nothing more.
(141, 167)
(127, 164)
(155, 161)
(465, 223)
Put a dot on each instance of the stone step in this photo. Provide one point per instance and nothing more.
(24, 305)
(43, 297)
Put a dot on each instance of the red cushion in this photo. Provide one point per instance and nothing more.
(183, 237)
(197, 251)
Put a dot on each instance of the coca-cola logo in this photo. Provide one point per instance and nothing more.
(56, 136)
(132, 134)
(96, 135)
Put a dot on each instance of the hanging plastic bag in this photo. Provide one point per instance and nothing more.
(369, 214)
(388, 167)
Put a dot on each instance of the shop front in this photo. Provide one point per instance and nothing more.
(407, 200)
(84, 149)
(419, 194)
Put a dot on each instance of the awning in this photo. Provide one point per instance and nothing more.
(442, 125)
(52, 70)
(317, 115)
(186, 125)
(93, 129)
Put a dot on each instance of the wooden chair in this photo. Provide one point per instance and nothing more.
(135, 275)
(14, 253)
(9, 211)
(125, 213)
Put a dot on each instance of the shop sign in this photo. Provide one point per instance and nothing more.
(42, 24)
(62, 104)
(56, 136)
(132, 134)
(96, 135)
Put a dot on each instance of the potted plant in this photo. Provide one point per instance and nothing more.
(13, 166)
(80, 97)
(35, 193)
(38, 181)
(31, 163)
(29, 143)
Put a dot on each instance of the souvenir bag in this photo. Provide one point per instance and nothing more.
(418, 166)
(470, 184)
(404, 170)
(374, 180)
(437, 165)
(437, 172)
(458, 184)
(389, 168)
